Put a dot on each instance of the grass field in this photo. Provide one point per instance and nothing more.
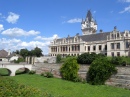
(62, 88)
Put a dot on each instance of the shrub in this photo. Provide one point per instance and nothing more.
(32, 72)
(87, 58)
(84, 58)
(10, 88)
(45, 61)
(78, 79)
(47, 74)
(58, 58)
(69, 69)
(19, 60)
(117, 60)
(123, 63)
(100, 70)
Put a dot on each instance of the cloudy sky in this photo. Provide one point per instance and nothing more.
(31, 23)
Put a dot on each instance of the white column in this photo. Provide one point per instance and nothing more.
(12, 73)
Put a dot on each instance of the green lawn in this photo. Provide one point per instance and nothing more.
(3, 71)
(62, 88)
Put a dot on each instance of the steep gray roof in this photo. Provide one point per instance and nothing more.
(95, 37)
(3, 54)
(91, 37)
(89, 16)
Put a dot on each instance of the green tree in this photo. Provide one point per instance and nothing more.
(24, 53)
(69, 70)
(19, 60)
(86, 58)
(17, 52)
(37, 52)
(58, 58)
(117, 60)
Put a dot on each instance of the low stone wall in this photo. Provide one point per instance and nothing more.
(54, 69)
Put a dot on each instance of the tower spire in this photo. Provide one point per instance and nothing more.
(89, 26)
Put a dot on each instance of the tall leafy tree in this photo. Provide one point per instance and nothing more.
(17, 52)
(24, 53)
(37, 52)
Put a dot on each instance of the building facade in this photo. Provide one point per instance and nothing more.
(114, 43)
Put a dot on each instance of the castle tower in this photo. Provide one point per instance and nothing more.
(89, 25)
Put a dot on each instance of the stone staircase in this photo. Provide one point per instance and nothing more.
(121, 79)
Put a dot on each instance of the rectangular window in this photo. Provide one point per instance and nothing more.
(112, 54)
(94, 48)
(112, 45)
(105, 47)
(88, 48)
(118, 35)
(100, 47)
(72, 48)
(127, 44)
(118, 46)
(118, 54)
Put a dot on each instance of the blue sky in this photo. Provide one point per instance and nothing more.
(31, 23)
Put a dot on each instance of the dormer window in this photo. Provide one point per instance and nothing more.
(64, 41)
(126, 34)
(76, 39)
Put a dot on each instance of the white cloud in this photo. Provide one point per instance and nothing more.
(16, 32)
(1, 27)
(12, 18)
(17, 44)
(75, 20)
(47, 38)
(126, 9)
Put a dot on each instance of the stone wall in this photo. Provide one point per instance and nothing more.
(54, 68)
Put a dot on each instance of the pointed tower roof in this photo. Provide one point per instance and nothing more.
(89, 16)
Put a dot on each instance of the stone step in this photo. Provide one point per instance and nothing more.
(121, 81)
(121, 76)
(127, 86)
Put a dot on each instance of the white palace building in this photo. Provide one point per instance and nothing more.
(114, 43)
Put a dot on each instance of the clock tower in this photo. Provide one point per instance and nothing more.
(89, 25)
